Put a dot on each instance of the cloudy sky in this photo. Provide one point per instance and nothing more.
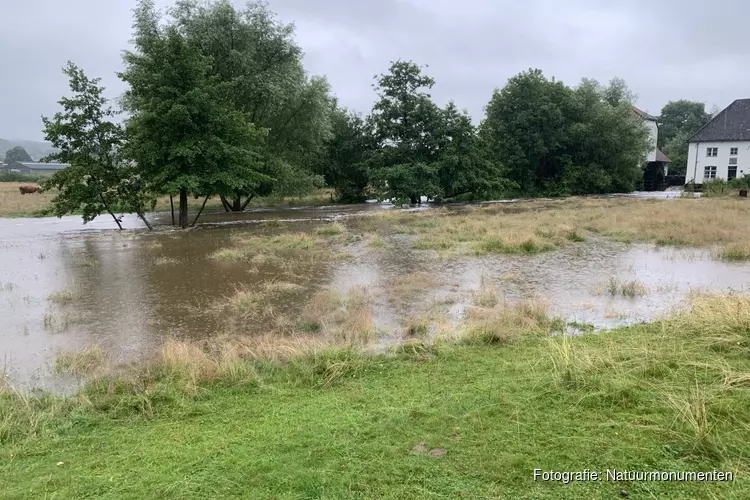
(665, 50)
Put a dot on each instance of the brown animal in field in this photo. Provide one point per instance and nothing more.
(28, 189)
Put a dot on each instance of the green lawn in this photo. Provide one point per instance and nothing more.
(663, 397)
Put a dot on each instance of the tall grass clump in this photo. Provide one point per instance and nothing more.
(506, 323)
(84, 362)
(331, 229)
(486, 295)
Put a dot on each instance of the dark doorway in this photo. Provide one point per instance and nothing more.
(732, 174)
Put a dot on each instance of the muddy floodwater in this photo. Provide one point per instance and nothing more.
(64, 286)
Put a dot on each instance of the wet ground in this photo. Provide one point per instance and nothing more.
(64, 286)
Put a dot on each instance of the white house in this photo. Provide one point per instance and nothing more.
(721, 148)
(657, 163)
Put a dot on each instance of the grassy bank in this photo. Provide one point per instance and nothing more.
(289, 418)
(14, 204)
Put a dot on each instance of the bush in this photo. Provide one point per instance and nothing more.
(14, 177)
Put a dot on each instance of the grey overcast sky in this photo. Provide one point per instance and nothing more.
(665, 49)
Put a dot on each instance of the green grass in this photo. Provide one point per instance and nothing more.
(670, 396)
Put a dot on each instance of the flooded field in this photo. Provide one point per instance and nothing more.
(64, 286)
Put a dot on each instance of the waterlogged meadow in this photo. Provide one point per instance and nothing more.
(445, 351)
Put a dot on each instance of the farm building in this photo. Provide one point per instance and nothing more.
(26, 167)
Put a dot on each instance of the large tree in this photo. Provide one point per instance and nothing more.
(16, 154)
(556, 140)
(184, 132)
(605, 146)
(465, 166)
(99, 179)
(405, 123)
(343, 163)
(678, 121)
(526, 126)
(255, 56)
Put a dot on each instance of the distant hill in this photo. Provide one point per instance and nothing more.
(35, 149)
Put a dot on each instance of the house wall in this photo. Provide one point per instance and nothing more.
(698, 161)
(653, 135)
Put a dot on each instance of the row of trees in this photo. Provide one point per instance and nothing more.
(539, 137)
(219, 104)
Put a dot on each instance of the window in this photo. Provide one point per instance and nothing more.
(733, 161)
(732, 174)
(709, 173)
(712, 152)
(733, 151)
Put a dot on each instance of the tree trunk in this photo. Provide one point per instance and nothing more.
(199, 212)
(224, 203)
(235, 205)
(183, 208)
(143, 218)
(171, 203)
(117, 221)
(244, 205)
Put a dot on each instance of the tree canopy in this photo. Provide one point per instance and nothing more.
(99, 179)
(184, 133)
(256, 61)
(679, 120)
(555, 140)
(16, 154)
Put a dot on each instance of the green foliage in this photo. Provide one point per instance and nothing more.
(16, 177)
(98, 179)
(343, 161)
(184, 132)
(464, 163)
(16, 154)
(422, 150)
(679, 120)
(259, 66)
(556, 140)
(405, 123)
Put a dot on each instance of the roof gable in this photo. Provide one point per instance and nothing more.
(732, 124)
(643, 115)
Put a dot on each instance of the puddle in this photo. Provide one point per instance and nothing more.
(128, 291)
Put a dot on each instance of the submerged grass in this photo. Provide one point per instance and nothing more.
(673, 396)
(539, 226)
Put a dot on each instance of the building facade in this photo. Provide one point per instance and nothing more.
(721, 148)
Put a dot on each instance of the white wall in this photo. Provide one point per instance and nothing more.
(653, 136)
(721, 162)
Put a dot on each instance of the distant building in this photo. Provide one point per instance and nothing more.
(721, 148)
(26, 167)
(657, 163)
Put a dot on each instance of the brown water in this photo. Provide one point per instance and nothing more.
(132, 289)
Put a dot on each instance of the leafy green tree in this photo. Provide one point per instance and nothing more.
(555, 140)
(98, 179)
(255, 56)
(343, 163)
(465, 165)
(16, 154)
(678, 121)
(405, 123)
(526, 125)
(605, 146)
(184, 133)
